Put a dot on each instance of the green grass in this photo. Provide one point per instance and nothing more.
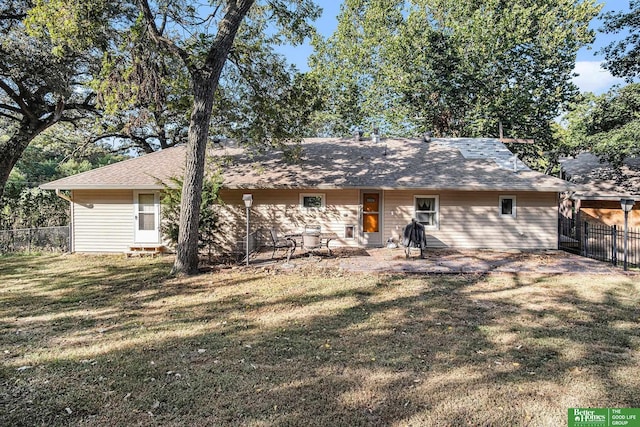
(113, 341)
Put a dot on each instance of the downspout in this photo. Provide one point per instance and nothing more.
(70, 200)
(63, 196)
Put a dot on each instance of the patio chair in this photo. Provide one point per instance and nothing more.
(281, 243)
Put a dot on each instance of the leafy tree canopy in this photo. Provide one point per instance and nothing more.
(198, 38)
(37, 88)
(622, 57)
(452, 68)
(607, 125)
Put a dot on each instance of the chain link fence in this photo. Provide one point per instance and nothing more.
(47, 239)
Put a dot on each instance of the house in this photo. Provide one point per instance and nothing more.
(601, 186)
(468, 193)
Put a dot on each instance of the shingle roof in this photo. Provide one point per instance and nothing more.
(142, 172)
(599, 180)
(442, 164)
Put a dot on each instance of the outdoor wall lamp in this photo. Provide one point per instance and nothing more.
(627, 205)
(248, 201)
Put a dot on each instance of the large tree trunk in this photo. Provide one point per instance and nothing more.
(187, 250)
(12, 149)
(205, 83)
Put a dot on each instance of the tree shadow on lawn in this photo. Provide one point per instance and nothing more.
(342, 350)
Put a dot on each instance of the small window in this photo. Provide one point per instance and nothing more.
(349, 232)
(312, 201)
(426, 209)
(508, 206)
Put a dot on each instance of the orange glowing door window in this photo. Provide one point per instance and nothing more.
(370, 215)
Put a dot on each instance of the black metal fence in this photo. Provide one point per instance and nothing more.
(599, 241)
(50, 239)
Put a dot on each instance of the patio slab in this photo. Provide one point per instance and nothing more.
(448, 261)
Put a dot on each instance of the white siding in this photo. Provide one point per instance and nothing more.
(472, 220)
(103, 221)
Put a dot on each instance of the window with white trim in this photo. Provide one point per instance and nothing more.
(426, 210)
(350, 232)
(507, 206)
(312, 200)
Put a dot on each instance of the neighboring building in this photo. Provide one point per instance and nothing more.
(469, 193)
(601, 186)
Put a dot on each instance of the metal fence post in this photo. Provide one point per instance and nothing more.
(614, 248)
(585, 236)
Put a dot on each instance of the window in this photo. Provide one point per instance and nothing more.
(508, 206)
(312, 200)
(349, 232)
(426, 209)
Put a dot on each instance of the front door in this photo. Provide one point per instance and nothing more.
(371, 224)
(147, 217)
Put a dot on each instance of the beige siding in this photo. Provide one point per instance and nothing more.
(472, 220)
(102, 220)
(281, 209)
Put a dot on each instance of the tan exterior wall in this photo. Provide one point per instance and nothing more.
(280, 209)
(472, 219)
(102, 220)
(466, 219)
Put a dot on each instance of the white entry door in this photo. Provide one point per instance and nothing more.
(147, 217)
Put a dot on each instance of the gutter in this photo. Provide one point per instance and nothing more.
(63, 196)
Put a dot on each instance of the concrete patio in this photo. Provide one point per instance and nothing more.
(440, 261)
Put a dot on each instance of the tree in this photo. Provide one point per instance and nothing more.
(204, 56)
(52, 155)
(37, 88)
(622, 57)
(607, 125)
(198, 37)
(208, 222)
(454, 68)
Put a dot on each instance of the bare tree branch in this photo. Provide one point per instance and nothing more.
(10, 108)
(9, 116)
(17, 99)
(157, 36)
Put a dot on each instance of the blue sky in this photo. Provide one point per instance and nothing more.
(591, 79)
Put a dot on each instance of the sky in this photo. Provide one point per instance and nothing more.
(591, 77)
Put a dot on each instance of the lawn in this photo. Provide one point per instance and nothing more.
(113, 341)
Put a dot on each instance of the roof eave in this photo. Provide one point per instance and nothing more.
(101, 187)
